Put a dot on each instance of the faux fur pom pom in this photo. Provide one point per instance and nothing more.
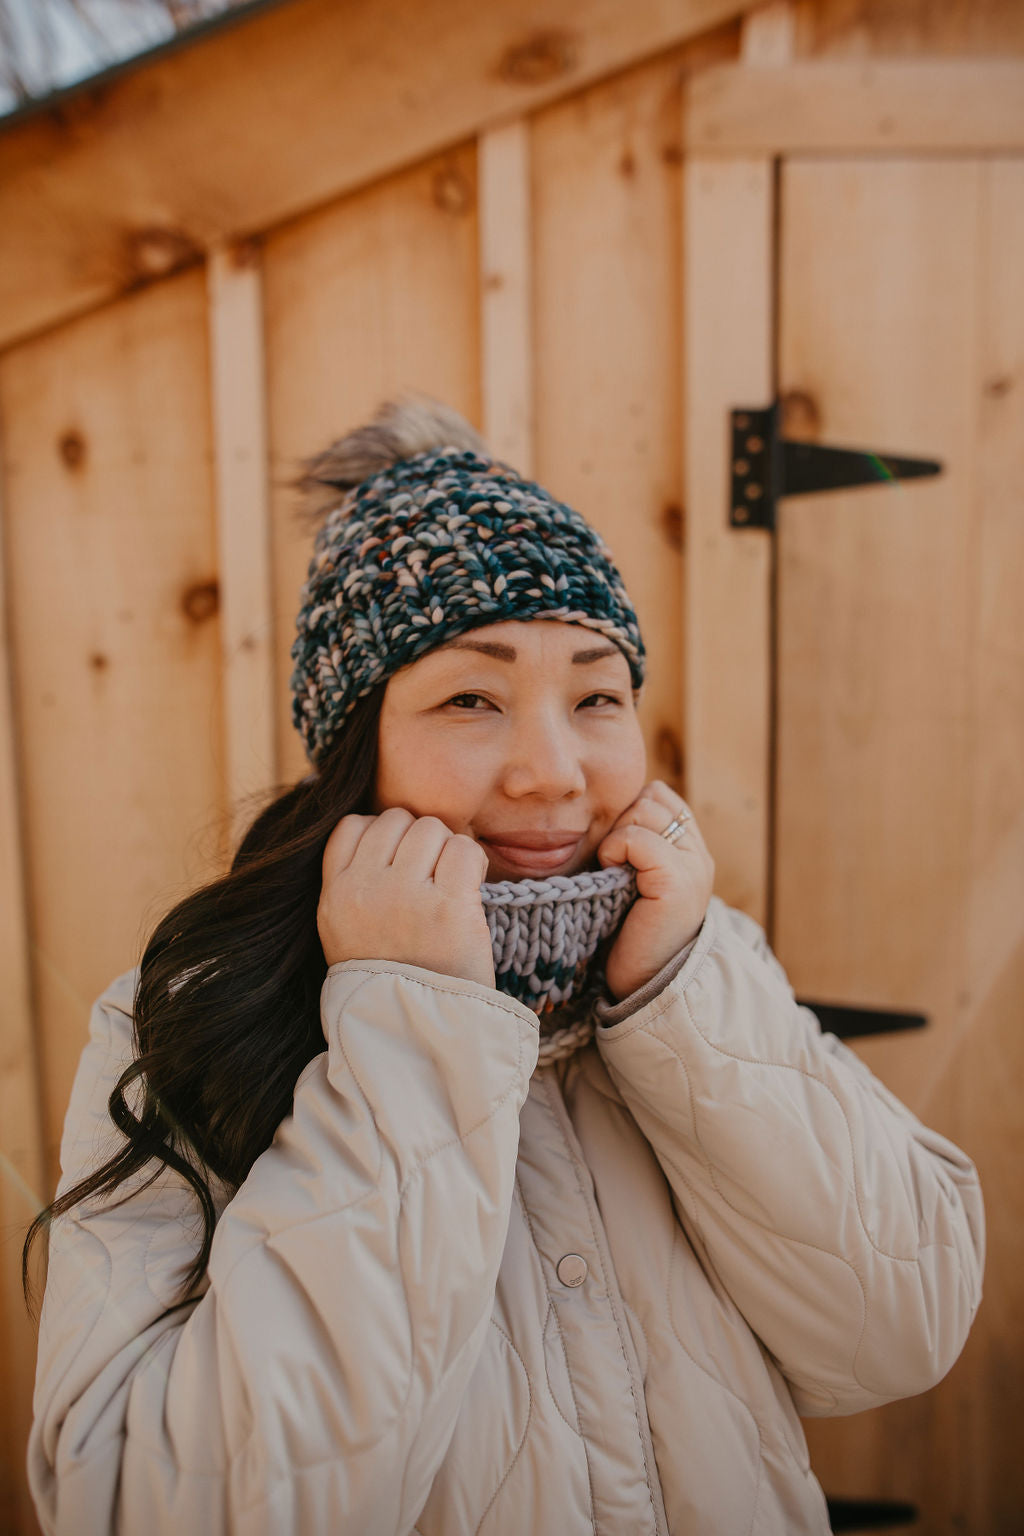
(401, 428)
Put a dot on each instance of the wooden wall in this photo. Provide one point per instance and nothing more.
(530, 272)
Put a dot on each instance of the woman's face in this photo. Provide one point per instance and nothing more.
(522, 735)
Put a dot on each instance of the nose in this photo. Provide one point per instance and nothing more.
(545, 760)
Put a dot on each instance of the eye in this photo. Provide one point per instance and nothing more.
(600, 698)
(458, 701)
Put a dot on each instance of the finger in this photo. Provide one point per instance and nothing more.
(647, 851)
(689, 836)
(343, 842)
(655, 807)
(462, 863)
(657, 817)
(619, 847)
(380, 840)
(658, 798)
(696, 836)
(417, 853)
(664, 794)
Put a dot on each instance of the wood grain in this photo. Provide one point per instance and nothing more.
(22, 1179)
(871, 105)
(112, 589)
(238, 389)
(125, 181)
(506, 299)
(374, 297)
(984, 29)
(728, 347)
(900, 816)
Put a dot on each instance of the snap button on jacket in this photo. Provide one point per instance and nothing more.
(457, 1295)
(572, 1269)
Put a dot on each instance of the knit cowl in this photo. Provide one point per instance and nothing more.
(549, 939)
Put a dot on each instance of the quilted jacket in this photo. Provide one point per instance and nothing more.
(457, 1295)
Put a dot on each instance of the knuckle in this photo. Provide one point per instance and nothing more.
(434, 823)
(396, 813)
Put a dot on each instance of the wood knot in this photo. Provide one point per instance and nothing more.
(200, 601)
(801, 416)
(71, 447)
(155, 252)
(673, 524)
(77, 117)
(672, 154)
(542, 57)
(245, 252)
(452, 192)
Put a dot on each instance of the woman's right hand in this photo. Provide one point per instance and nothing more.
(401, 887)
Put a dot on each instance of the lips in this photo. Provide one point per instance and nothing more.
(533, 852)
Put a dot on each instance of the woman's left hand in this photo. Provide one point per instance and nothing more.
(673, 880)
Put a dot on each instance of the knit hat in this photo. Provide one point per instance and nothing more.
(427, 536)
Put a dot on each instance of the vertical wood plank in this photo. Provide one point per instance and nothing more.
(900, 871)
(768, 34)
(606, 324)
(243, 525)
(114, 637)
(978, 1085)
(506, 369)
(879, 347)
(728, 343)
(22, 1179)
(369, 298)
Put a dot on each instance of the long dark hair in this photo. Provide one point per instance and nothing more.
(227, 1010)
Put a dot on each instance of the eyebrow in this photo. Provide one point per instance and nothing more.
(508, 652)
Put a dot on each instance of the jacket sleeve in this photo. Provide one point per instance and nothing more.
(850, 1236)
(315, 1383)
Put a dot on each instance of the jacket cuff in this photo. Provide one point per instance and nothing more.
(611, 1013)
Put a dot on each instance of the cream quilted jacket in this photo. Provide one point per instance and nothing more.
(456, 1296)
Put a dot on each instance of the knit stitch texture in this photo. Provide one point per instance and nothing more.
(545, 935)
(428, 548)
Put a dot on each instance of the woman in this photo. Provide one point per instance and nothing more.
(419, 1281)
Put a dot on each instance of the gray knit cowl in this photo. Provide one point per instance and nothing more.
(548, 940)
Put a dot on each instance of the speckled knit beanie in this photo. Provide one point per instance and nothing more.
(425, 537)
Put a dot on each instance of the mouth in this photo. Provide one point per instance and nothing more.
(533, 853)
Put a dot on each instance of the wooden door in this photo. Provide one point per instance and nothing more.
(897, 874)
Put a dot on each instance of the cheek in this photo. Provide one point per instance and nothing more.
(441, 789)
(631, 766)
(427, 779)
(623, 776)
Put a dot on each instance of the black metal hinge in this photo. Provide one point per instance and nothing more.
(837, 1019)
(869, 1514)
(766, 467)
